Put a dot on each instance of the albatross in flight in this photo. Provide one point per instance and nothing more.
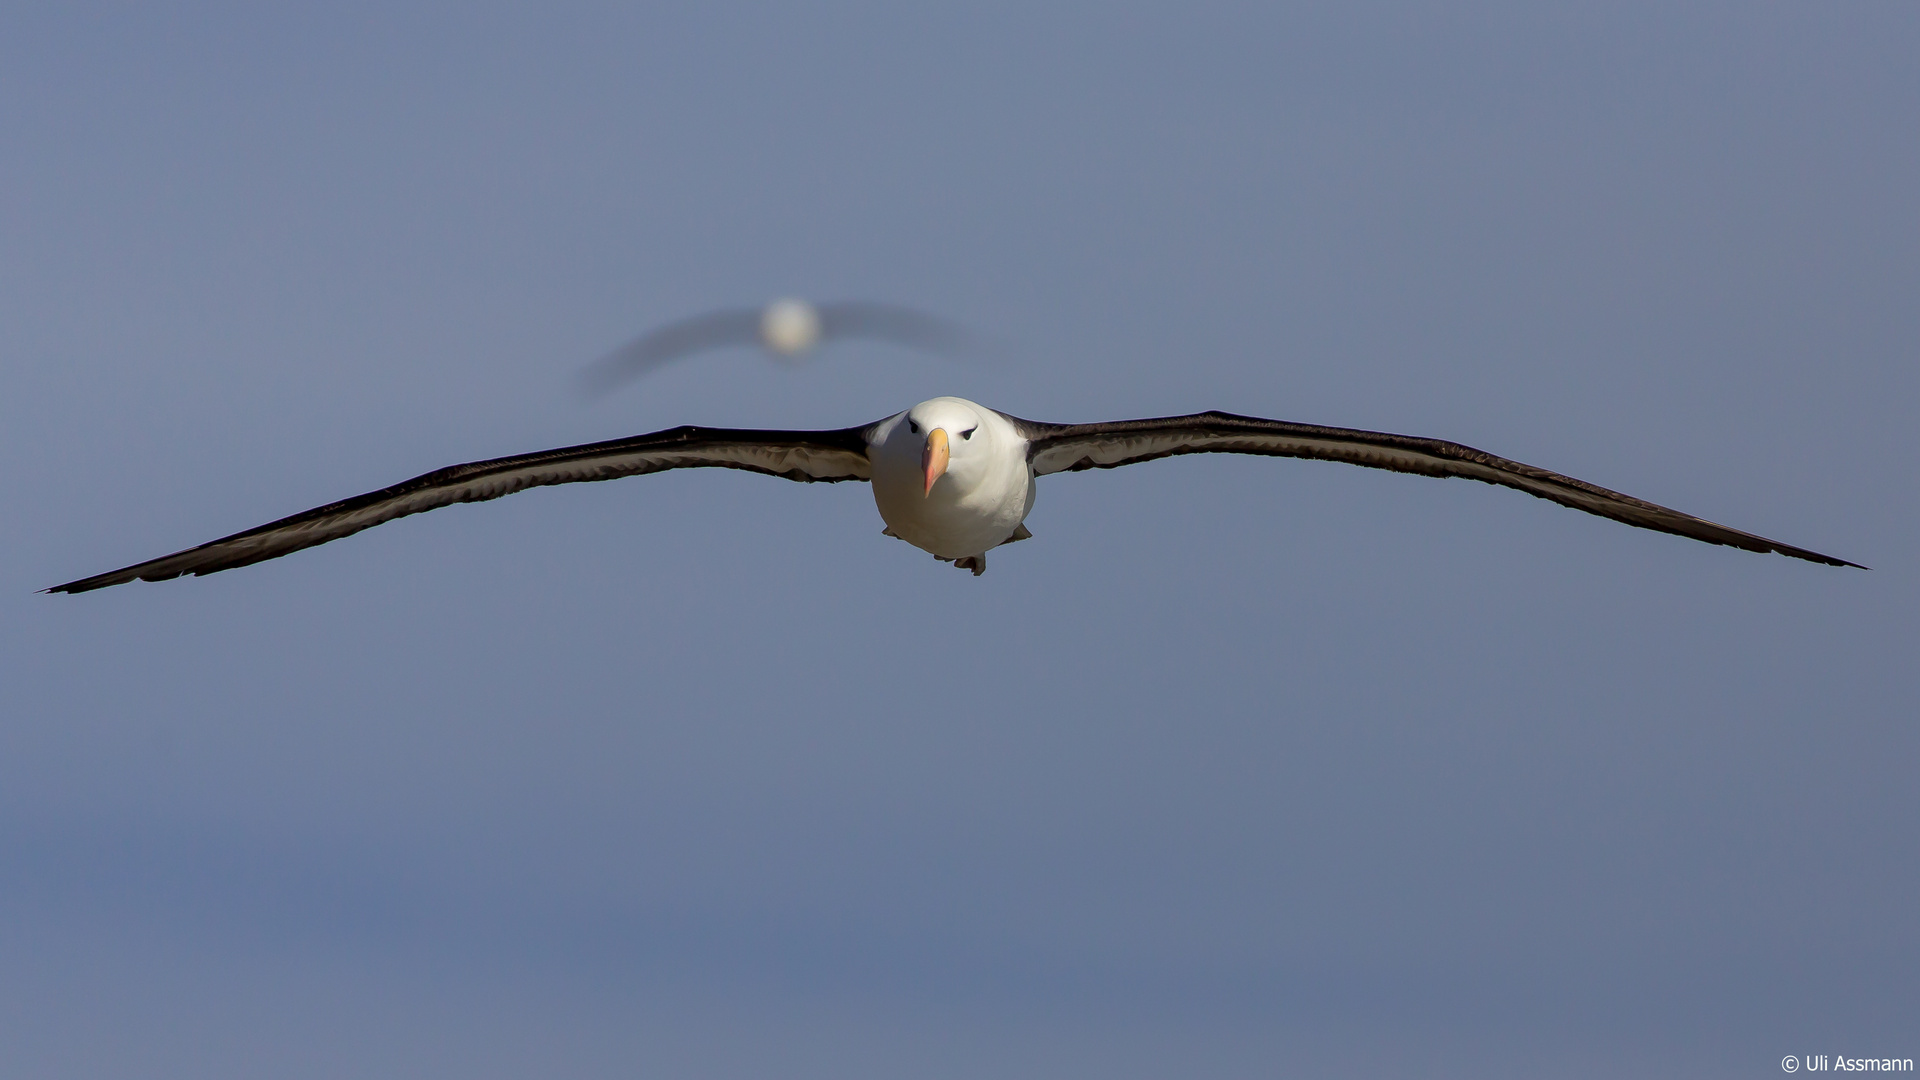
(786, 328)
(950, 477)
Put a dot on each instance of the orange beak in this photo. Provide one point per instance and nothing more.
(934, 458)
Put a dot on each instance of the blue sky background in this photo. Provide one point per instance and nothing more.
(1241, 767)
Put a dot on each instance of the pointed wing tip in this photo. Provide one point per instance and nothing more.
(1815, 557)
(83, 585)
(111, 578)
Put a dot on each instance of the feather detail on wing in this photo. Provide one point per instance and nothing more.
(808, 456)
(1071, 447)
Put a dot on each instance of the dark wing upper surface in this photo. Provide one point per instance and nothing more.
(1070, 447)
(796, 455)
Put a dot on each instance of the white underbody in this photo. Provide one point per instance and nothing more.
(981, 499)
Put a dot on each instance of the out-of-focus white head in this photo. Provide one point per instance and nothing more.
(790, 327)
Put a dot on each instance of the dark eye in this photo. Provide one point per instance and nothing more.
(968, 434)
(913, 427)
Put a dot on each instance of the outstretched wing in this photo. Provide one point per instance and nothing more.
(713, 330)
(890, 323)
(828, 456)
(1070, 447)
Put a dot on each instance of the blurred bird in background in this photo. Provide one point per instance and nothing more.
(787, 328)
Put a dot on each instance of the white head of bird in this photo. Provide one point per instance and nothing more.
(951, 477)
(790, 327)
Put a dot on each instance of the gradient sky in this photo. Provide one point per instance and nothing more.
(1241, 767)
